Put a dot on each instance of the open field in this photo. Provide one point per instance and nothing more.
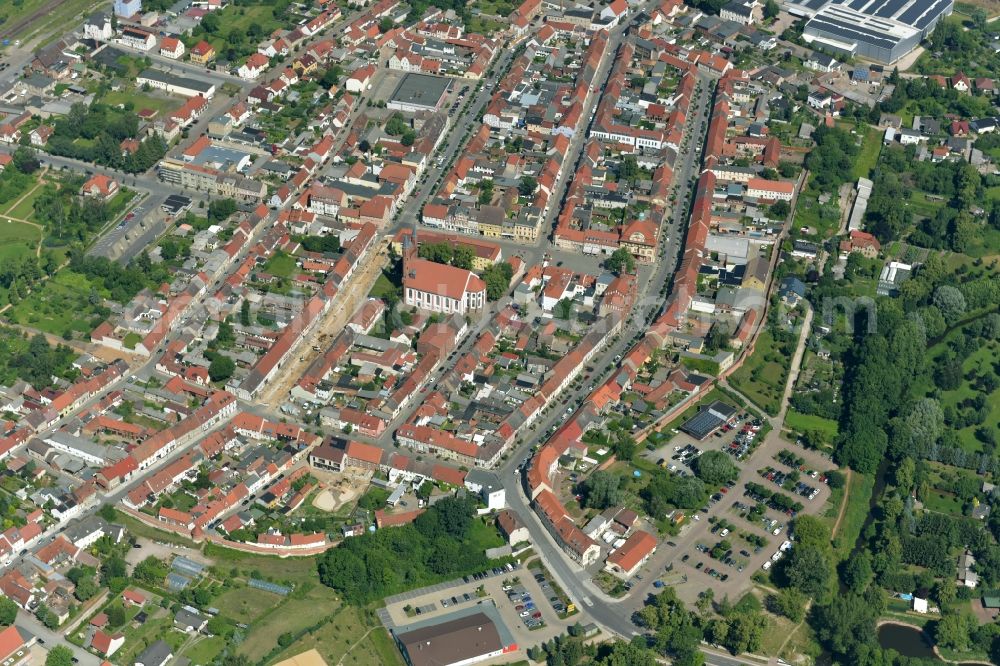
(244, 604)
(18, 239)
(803, 422)
(346, 631)
(141, 100)
(859, 493)
(762, 377)
(871, 146)
(25, 208)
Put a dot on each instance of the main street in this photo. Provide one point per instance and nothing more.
(615, 616)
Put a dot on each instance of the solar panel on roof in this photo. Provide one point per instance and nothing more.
(851, 33)
(935, 12)
(702, 424)
(891, 8)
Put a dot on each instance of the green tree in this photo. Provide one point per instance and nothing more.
(114, 567)
(715, 468)
(628, 170)
(116, 613)
(954, 630)
(485, 192)
(621, 261)
(151, 570)
(59, 655)
(771, 9)
(245, 312)
(221, 368)
(8, 611)
(856, 571)
(808, 570)
(220, 209)
(85, 589)
(497, 278)
(462, 257)
(602, 490)
(225, 335)
(527, 186)
(48, 618)
(789, 602)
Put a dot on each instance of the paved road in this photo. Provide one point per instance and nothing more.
(49, 639)
(615, 616)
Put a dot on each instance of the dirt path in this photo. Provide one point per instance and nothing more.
(332, 323)
(796, 629)
(357, 643)
(843, 504)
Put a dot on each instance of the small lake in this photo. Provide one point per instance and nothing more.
(908, 641)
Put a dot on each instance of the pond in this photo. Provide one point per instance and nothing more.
(908, 641)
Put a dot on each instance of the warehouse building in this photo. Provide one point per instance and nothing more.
(464, 637)
(176, 85)
(879, 30)
(419, 92)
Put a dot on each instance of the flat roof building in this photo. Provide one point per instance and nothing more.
(708, 420)
(464, 637)
(185, 86)
(419, 92)
(880, 30)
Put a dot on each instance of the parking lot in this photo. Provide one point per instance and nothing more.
(525, 603)
(738, 439)
(744, 525)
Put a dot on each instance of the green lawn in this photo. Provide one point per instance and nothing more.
(346, 631)
(381, 287)
(239, 18)
(205, 650)
(280, 265)
(762, 376)
(804, 422)
(141, 100)
(859, 494)
(924, 205)
(131, 340)
(17, 240)
(18, 232)
(290, 616)
(871, 146)
(26, 208)
(244, 604)
(943, 502)
(62, 304)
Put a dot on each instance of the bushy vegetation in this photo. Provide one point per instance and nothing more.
(437, 545)
(94, 134)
